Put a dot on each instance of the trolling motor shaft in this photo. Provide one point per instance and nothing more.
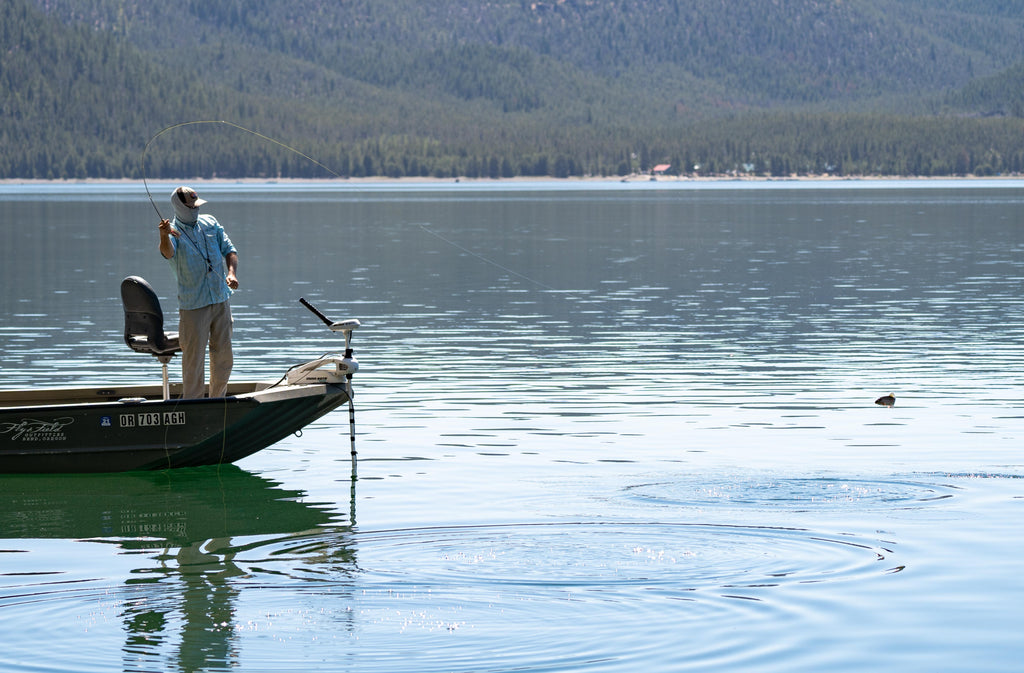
(346, 366)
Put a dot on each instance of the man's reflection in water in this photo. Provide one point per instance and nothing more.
(206, 609)
(185, 534)
(208, 605)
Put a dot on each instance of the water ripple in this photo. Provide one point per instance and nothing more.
(614, 560)
(568, 595)
(535, 595)
(791, 494)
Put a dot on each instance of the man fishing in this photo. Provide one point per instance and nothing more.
(200, 252)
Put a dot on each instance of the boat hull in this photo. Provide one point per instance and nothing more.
(131, 429)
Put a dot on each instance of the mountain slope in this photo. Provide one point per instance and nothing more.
(754, 53)
(996, 95)
(507, 87)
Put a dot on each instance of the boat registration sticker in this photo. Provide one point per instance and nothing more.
(152, 418)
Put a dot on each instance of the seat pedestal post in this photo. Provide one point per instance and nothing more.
(164, 361)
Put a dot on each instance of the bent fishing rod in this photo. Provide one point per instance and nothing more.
(259, 135)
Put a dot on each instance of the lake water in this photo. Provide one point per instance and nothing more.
(601, 427)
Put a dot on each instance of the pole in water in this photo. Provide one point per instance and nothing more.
(352, 428)
(351, 405)
(345, 327)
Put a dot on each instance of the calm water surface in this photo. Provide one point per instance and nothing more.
(600, 427)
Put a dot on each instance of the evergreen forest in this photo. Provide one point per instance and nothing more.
(508, 88)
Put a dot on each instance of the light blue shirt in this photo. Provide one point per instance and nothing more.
(198, 262)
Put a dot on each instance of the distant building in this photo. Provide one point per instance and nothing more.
(660, 169)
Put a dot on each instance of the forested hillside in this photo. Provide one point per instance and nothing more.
(507, 88)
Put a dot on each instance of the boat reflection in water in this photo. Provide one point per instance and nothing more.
(198, 538)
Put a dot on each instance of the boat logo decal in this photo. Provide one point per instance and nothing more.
(150, 419)
(35, 430)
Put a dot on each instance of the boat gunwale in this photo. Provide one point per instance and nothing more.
(89, 396)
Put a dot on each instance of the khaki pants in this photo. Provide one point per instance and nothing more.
(197, 328)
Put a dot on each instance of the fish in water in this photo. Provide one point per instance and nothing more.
(886, 400)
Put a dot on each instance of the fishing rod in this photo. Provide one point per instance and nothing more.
(145, 150)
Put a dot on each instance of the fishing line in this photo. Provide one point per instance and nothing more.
(485, 259)
(227, 123)
(268, 139)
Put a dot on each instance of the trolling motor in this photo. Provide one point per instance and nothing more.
(344, 368)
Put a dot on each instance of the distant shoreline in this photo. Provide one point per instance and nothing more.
(379, 180)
